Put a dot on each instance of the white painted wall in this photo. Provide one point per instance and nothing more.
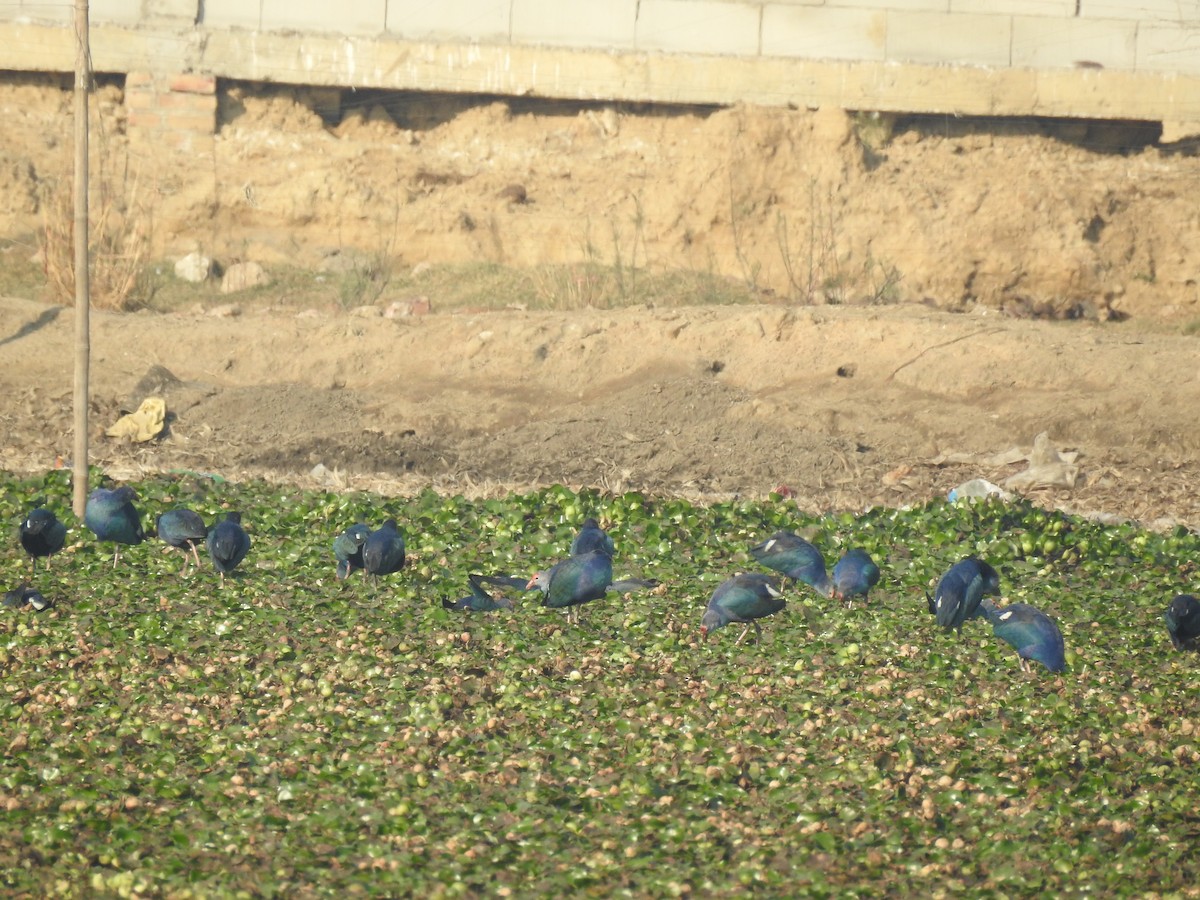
(1156, 35)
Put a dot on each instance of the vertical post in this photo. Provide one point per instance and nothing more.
(83, 341)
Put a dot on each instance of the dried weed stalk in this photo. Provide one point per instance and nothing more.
(118, 244)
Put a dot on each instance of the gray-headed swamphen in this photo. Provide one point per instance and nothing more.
(855, 574)
(1183, 621)
(574, 581)
(1032, 633)
(227, 544)
(348, 550)
(793, 556)
(479, 600)
(743, 598)
(111, 516)
(591, 539)
(42, 534)
(23, 596)
(184, 530)
(960, 591)
(383, 552)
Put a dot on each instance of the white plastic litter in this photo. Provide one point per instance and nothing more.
(978, 487)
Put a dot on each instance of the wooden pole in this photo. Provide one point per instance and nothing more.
(83, 294)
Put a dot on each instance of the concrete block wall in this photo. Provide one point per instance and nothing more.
(124, 12)
(1155, 35)
(1085, 58)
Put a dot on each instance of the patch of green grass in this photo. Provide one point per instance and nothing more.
(449, 287)
(291, 735)
(21, 275)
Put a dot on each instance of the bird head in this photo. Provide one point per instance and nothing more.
(988, 610)
(540, 581)
(991, 579)
(710, 622)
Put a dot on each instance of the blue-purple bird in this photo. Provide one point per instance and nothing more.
(580, 579)
(743, 598)
(1032, 633)
(479, 600)
(854, 575)
(383, 551)
(227, 544)
(19, 598)
(1183, 621)
(960, 591)
(348, 550)
(184, 530)
(574, 581)
(42, 534)
(793, 556)
(592, 539)
(111, 516)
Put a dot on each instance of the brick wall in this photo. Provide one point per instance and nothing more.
(175, 112)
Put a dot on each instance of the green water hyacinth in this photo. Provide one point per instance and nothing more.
(284, 737)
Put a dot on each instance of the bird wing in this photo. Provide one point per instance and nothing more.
(948, 598)
(1032, 633)
(746, 597)
(579, 579)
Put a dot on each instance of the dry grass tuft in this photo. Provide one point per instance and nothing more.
(118, 244)
(572, 287)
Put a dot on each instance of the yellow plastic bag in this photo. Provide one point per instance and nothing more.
(144, 425)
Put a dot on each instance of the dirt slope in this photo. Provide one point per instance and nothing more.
(1068, 218)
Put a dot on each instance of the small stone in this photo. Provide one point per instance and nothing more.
(193, 268)
(243, 276)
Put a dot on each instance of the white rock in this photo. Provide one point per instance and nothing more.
(195, 267)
